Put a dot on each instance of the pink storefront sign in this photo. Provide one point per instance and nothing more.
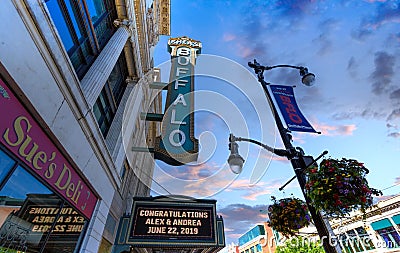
(22, 135)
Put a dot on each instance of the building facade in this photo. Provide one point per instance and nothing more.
(261, 238)
(378, 231)
(230, 248)
(75, 78)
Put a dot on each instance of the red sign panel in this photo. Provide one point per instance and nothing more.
(21, 134)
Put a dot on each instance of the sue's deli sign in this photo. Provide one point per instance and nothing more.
(22, 135)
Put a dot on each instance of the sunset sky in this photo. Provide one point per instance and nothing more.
(353, 48)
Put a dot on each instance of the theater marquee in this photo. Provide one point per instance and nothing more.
(161, 222)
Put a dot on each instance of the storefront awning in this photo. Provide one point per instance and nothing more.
(396, 219)
(377, 225)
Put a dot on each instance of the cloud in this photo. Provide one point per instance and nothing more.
(383, 73)
(367, 113)
(239, 218)
(374, 1)
(252, 192)
(394, 115)
(294, 8)
(192, 172)
(395, 95)
(386, 12)
(352, 67)
(329, 130)
(268, 155)
(324, 41)
(228, 37)
(190, 181)
(393, 123)
(275, 15)
(361, 34)
(381, 198)
(394, 135)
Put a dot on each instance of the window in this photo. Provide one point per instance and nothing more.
(354, 241)
(365, 239)
(83, 31)
(6, 164)
(107, 103)
(253, 233)
(124, 169)
(390, 237)
(103, 112)
(345, 244)
(33, 218)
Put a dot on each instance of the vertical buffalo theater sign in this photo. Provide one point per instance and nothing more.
(177, 145)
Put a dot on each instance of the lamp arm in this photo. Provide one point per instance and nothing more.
(259, 69)
(283, 66)
(278, 152)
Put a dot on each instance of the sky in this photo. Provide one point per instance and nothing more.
(352, 47)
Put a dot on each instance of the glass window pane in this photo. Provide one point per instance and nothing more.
(60, 23)
(355, 242)
(96, 9)
(73, 14)
(29, 211)
(104, 114)
(345, 243)
(97, 111)
(6, 163)
(68, 227)
(365, 239)
(103, 100)
(20, 194)
(22, 183)
(115, 77)
(390, 237)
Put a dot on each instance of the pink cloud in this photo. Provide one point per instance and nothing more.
(252, 192)
(373, 1)
(274, 157)
(331, 130)
(244, 51)
(253, 195)
(381, 198)
(298, 138)
(228, 37)
(234, 236)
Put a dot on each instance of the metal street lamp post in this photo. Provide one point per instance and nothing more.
(295, 154)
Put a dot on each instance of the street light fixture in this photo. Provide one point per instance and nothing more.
(299, 161)
(236, 161)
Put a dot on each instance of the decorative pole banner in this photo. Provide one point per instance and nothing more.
(295, 121)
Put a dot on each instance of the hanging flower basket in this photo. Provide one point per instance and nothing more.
(288, 215)
(338, 187)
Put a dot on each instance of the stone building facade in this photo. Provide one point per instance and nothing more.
(75, 78)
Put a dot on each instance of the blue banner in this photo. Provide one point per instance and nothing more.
(295, 121)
